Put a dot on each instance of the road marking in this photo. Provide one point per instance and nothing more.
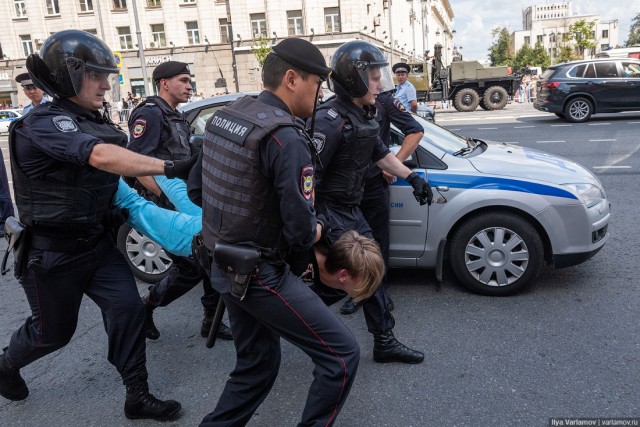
(522, 127)
(612, 167)
(512, 142)
(487, 128)
(557, 126)
(548, 142)
(599, 124)
(454, 128)
(634, 123)
(602, 140)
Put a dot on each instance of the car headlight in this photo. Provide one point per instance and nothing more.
(589, 194)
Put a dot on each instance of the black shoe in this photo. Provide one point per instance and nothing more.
(224, 332)
(150, 330)
(386, 348)
(350, 306)
(142, 404)
(12, 386)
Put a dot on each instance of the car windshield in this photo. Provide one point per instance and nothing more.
(440, 137)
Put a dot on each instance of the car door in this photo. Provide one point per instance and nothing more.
(631, 71)
(610, 87)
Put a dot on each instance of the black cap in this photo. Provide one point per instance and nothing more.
(303, 55)
(400, 67)
(24, 79)
(168, 69)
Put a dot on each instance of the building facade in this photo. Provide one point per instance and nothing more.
(547, 22)
(216, 36)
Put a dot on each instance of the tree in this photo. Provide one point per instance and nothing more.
(634, 32)
(528, 56)
(584, 35)
(261, 49)
(500, 50)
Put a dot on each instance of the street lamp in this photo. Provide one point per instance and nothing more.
(552, 40)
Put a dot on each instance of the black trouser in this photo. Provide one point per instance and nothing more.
(184, 275)
(54, 286)
(6, 205)
(278, 305)
(343, 218)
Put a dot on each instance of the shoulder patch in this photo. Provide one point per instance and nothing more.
(399, 105)
(306, 181)
(65, 124)
(139, 126)
(319, 140)
(332, 113)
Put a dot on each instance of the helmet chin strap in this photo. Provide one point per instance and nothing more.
(312, 127)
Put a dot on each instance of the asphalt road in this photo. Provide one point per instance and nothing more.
(568, 347)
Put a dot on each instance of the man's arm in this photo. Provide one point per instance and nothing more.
(118, 160)
(413, 105)
(144, 138)
(391, 164)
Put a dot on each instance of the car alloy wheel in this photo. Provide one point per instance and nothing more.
(578, 110)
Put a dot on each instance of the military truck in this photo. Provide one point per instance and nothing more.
(468, 84)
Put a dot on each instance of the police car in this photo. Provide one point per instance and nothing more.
(500, 211)
(6, 117)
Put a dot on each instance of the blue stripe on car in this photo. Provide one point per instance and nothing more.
(491, 183)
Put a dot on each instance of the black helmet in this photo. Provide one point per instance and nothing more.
(352, 64)
(60, 66)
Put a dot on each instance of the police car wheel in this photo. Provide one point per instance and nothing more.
(148, 260)
(496, 254)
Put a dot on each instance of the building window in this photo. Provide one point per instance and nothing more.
(527, 40)
(27, 46)
(53, 8)
(86, 5)
(225, 31)
(258, 25)
(21, 9)
(294, 22)
(188, 1)
(605, 34)
(92, 31)
(154, 3)
(193, 35)
(119, 4)
(157, 32)
(539, 39)
(604, 46)
(124, 34)
(332, 20)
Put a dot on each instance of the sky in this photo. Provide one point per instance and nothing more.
(474, 19)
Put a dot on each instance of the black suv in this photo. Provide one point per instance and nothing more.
(576, 90)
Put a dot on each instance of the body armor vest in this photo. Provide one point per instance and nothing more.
(177, 147)
(238, 204)
(343, 180)
(68, 197)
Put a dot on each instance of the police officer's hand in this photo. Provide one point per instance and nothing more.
(421, 188)
(180, 168)
(326, 229)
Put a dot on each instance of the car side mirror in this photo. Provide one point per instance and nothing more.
(410, 163)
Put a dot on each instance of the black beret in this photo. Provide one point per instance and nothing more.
(168, 69)
(24, 79)
(303, 55)
(400, 67)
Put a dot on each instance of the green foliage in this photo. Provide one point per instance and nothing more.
(583, 34)
(500, 50)
(634, 32)
(261, 49)
(528, 56)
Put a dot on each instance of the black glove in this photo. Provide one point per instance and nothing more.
(326, 229)
(180, 168)
(115, 217)
(421, 188)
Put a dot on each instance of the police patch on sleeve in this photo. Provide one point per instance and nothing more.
(139, 127)
(318, 140)
(306, 181)
(399, 105)
(65, 124)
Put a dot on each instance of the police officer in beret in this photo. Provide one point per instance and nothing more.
(35, 94)
(66, 159)
(347, 140)
(157, 129)
(258, 193)
(405, 91)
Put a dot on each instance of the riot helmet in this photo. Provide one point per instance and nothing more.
(360, 67)
(68, 57)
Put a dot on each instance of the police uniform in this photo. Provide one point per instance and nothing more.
(63, 202)
(258, 181)
(406, 92)
(24, 81)
(158, 130)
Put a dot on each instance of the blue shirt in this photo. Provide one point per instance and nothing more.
(30, 107)
(405, 93)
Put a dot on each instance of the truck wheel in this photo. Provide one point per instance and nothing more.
(466, 100)
(495, 98)
(482, 104)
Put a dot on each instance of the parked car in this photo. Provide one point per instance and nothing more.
(6, 117)
(576, 90)
(500, 211)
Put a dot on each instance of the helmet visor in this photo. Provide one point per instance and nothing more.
(376, 76)
(79, 72)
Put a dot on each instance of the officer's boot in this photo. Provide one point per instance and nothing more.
(350, 306)
(142, 404)
(12, 386)
(150, 330)
(386, 348)
(224, 332)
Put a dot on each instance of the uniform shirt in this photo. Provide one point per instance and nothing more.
(332, 131)
(405, 93)
(285, 160)
(30, 107)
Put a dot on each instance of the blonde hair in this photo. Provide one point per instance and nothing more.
(362, 258)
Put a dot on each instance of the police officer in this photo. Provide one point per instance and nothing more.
(375, 201)
(36, 95)
(258, 181)
(405, 91)
(66, 158)
(157, 129)
(347, 140)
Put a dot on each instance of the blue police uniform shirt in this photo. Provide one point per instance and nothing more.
(30, 107)
(405, 93)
